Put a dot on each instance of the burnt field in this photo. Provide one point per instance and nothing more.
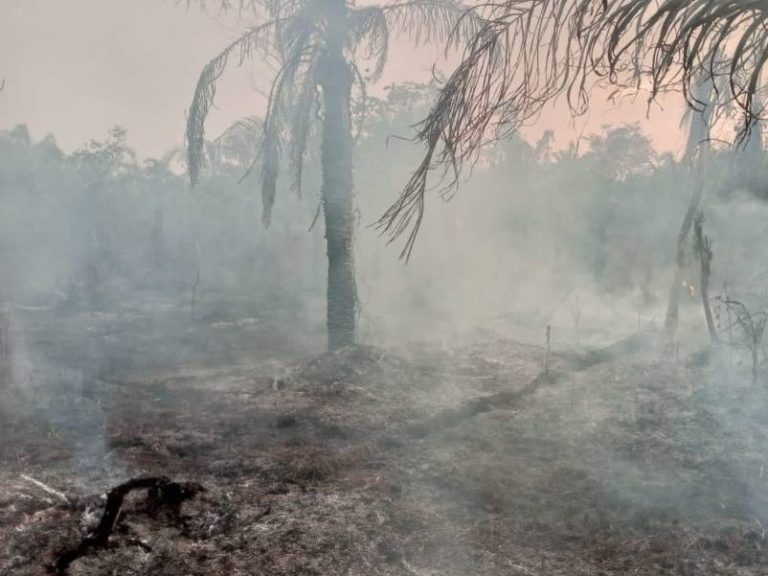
(491, 456)
(391, 288)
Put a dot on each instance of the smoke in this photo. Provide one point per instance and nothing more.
(117, 275)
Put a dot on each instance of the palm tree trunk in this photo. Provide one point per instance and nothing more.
(696, 153)
(338, 202)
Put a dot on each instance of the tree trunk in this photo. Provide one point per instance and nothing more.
(696, 153)
(338, 203)
(707, 305)
(703, 249)
(673, 304)
(157, 237)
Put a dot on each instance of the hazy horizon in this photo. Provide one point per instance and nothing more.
(88, 64)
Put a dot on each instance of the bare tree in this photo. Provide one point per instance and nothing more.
(530, 52)
(318, 44)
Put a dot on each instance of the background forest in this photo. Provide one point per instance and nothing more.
(91, 228)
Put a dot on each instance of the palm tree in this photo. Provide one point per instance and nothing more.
(530, 52)
(319, 44)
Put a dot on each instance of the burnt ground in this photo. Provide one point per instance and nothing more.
(373, 461)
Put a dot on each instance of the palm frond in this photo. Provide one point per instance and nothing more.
(270, 168)
(369, 34)
(241, 6)
(683, 42)
(449, 22)
(240, 128)
(300, 56)
(360, 109)
(301, 122)
(240, 138)
(444, 21)
(301, 21)
(205, 92)
(530, 52)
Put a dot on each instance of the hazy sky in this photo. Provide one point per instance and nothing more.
(78, 67)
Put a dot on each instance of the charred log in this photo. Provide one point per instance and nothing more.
(163, 495)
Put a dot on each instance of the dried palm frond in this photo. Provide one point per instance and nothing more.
(299, 31)
(254, 39)
(241, 6)
(446, 21)
(239, 138)
(530, 52)
(369, 37)
(301, 121)
(425, 21)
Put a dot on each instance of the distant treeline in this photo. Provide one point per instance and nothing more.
(85, 226)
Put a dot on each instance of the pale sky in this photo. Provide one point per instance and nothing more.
(76, 68)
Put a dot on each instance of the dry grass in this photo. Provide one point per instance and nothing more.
(631, 465)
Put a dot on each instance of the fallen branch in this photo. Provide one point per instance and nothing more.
(45, 488)
(162, 492)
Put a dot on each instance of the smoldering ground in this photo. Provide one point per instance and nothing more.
(455, 439)
(513, 405)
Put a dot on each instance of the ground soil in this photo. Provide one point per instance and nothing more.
(391, 461)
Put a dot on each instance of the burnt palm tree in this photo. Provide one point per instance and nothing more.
(530, 52)
(319, 45)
